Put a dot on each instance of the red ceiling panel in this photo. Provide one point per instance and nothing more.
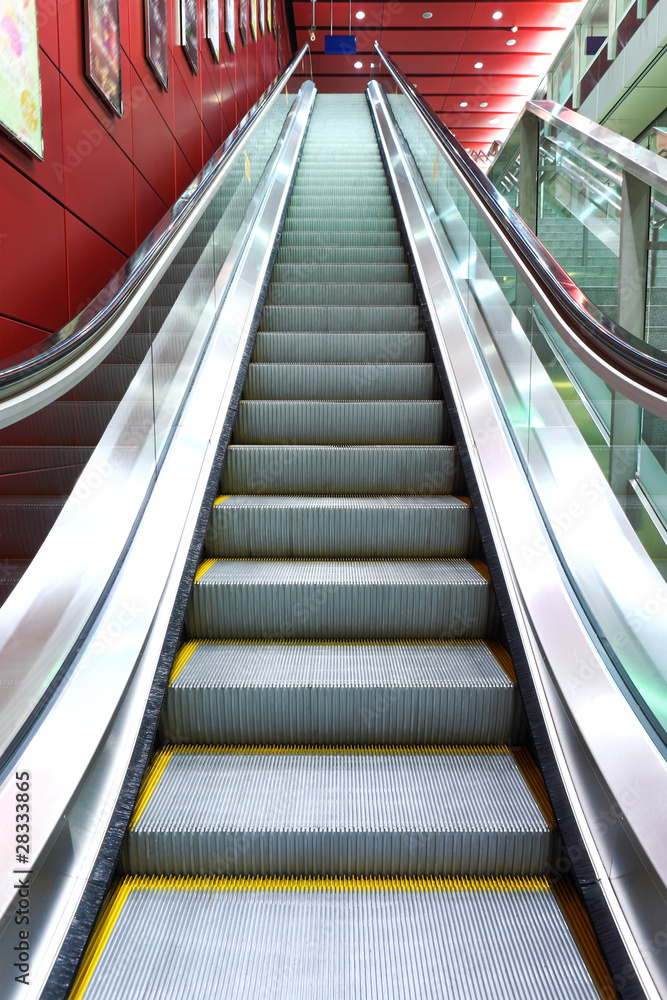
(439, 53)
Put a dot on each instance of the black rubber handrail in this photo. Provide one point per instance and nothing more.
(614, 345)
(51, 354)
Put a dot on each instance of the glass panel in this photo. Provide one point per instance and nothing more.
(592, 485)
(594, 29)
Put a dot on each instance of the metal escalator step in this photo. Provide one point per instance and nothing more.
(335, 939)
(338, 470)
(41, 470)
(12, 571)
(135, 346)
(60, 423)
(321, 527)
(321, 238)
(342, 692)
(379, 209)
(352, 224)
(360, 347)
(26, 521)
(395, 421)
(350, 294)
(266, 381)
(337, 811)
(338, 201)
(341, 599)
(340, 273)
(347, 255)
(347, 318)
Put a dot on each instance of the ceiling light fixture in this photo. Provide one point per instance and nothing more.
(497, 15)
(478, 65)
(360, 15)
(511, 41)
(427, 14)
(358, 65)
(494, 121)
(484, 104)
(463, 104)
(514, 29)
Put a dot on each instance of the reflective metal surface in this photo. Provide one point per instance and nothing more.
(637, 369)
(133, 620)
(603, 752)
(33, 380)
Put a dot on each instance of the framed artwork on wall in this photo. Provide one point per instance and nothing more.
(243, 21)
(253, 19)
(20, 88)
(230, 24)
(262, 16)
(157, 40)
(190, 32)
(213, 27)
(102, 44)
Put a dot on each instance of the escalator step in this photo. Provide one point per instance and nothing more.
(337, 254)
(337, 811)
(325, 273)
(321, 224)
(337, 470)
(41, 470)
(328, 293)
(341, 599)
(336, 939)
(395, 421)
(26, 521)
(60, 423)
(407, 347)
(344, 692)
(341, 382)
(351, 239)
(347, 318)
(323, 527)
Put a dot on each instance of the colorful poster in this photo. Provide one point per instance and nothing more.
(20, 90)
(230, 24)
(102, 41)
(253, 18)
(262, 16)
(190, 31)
(157, 50)
(213, 27)
(243, 21)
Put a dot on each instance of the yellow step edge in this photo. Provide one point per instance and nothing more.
(349, 883)
(499, 652)
(219, 500)
(491, 644)
(533, 778)
(182, 658)
(149, 784)
(103, 929)
(277, 750)
(582, 931)
(203, 568)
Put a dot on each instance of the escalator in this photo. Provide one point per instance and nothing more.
(345, 800)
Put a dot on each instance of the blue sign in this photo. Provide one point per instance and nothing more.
(340, 45)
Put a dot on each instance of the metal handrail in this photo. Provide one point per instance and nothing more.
(617, 349)
(57, 350)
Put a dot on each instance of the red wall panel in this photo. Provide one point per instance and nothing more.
(66, 224)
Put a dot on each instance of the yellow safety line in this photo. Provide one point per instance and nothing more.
(481, 568)
(154, 774)
(203, 568)
(499, 652)
(346, 883)
(533, 778)
(270, 750)
(347, 642)
(105, 925)
(219, 500)
(577, 920)
(465, 500)
(182, 657)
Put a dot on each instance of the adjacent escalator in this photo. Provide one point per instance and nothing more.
(343, 804)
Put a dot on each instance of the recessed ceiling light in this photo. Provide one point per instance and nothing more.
(494, 121)
(360, 15)
(372, 65)
(497, 15)
(514, 29)
(511, 41)
(484, 104)
(478, 65)
(358, 65)
(427, 14)
(463, 104)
